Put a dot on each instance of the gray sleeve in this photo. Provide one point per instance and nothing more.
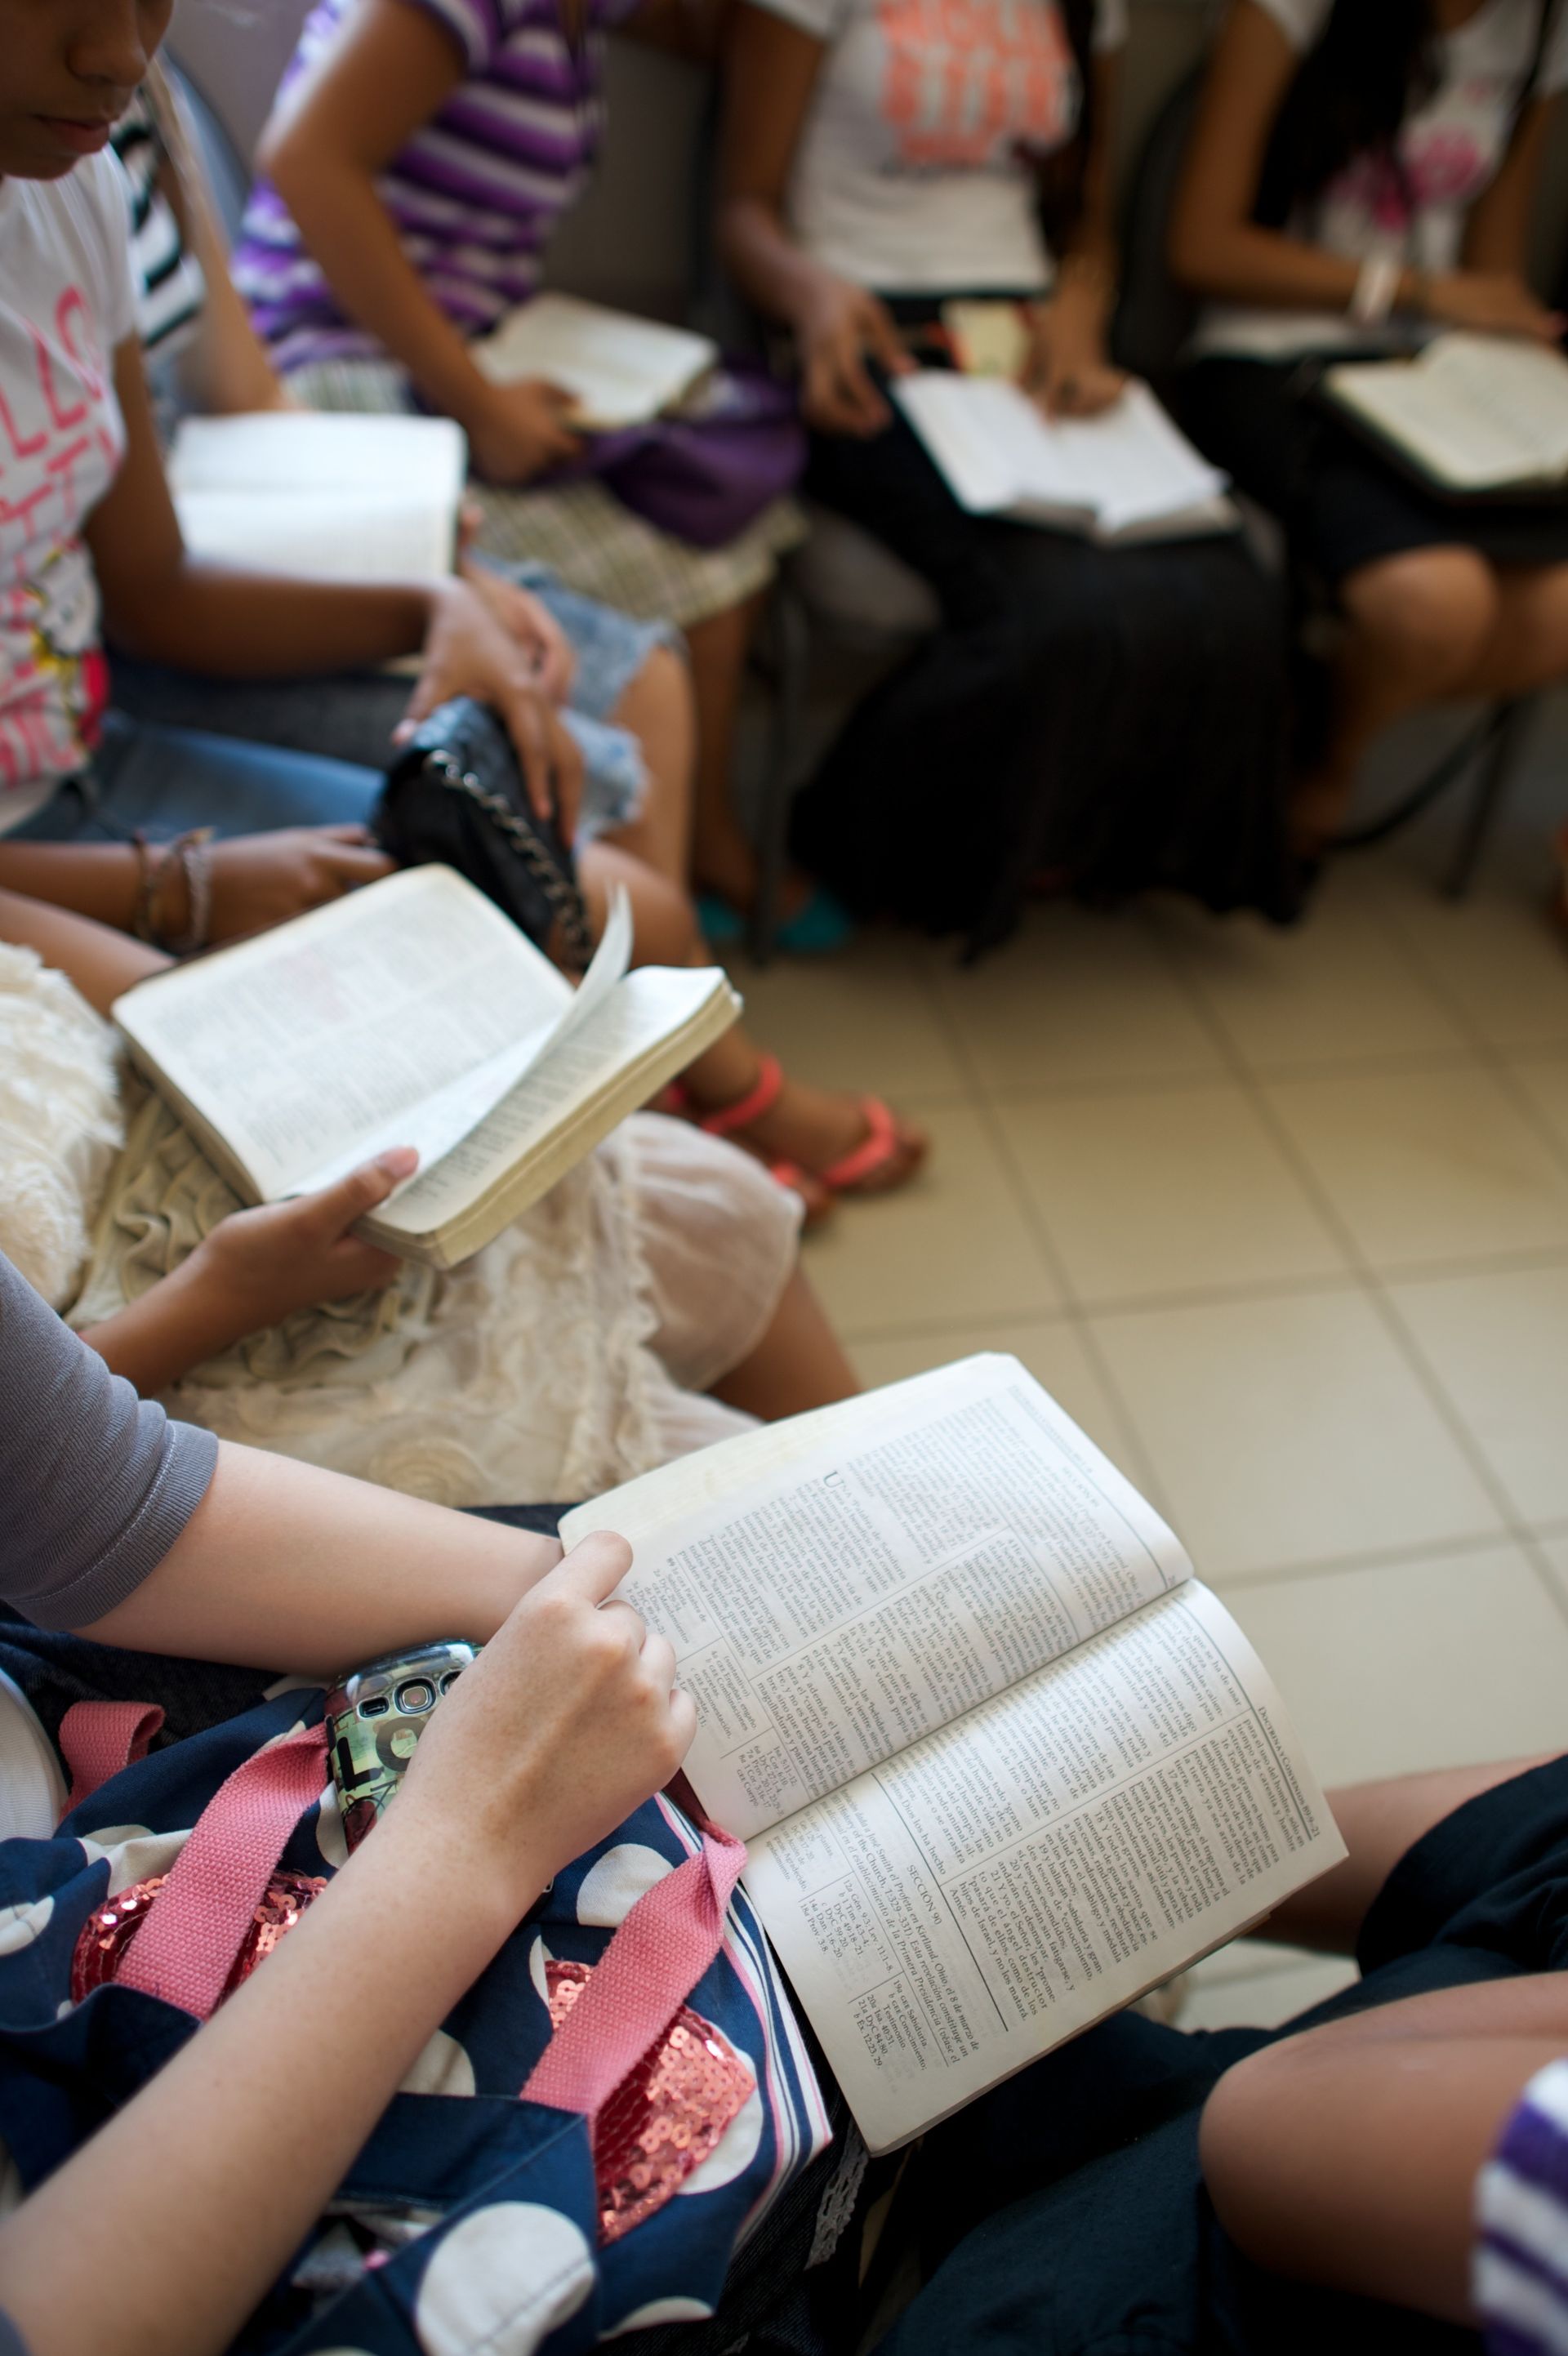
(96, 1485)
(11, 2340)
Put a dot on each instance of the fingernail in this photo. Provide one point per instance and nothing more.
(399, 1161)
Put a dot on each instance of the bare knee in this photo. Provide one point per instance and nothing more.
(1428, 614)
(657, 700)
(665, 926)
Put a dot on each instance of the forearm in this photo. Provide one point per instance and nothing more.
(1246, 264)
(766, 264)
(100, 880)
(1347, 2156)
(320, 1571)
(177, 1324)
(1379, 1823)
(200, 2188)
(222, 623)
(100, 961)
(353, 238)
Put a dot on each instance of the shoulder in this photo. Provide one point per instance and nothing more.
(83, 227)
(89, 208)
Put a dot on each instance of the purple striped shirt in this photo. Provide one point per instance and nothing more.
(475, 194)
(1521, 2279)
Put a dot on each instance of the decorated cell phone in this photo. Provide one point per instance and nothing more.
(374, 1720)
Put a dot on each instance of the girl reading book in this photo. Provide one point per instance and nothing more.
(1359, 180)
(1087, 718)
(1353, 2167)
(419, 156)
(579, 1348)
(92, 532)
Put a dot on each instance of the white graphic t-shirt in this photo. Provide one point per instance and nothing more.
(65, 305)
(914, 168)
(1450, 150)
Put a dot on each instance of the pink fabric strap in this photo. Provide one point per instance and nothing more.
(759, 1098)
(186, 1949)
(97, 1738)
(640, 1981)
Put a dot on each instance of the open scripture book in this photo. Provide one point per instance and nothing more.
(1001, 1763)
(335, 498)
(1127, 474)
(621, 370)
(1472, 416)
(413, 1012)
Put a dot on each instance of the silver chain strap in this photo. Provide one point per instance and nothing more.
(563, 894)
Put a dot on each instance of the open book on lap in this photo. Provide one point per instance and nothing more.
(1471, 416)
(413, 1012)
(1126, 475)
(334, 497)
(622, 371)
(1001, 1762)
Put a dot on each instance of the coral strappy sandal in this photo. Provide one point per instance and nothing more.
(855, 1171)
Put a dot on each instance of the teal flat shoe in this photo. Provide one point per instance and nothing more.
(818, 927)
(721, 924)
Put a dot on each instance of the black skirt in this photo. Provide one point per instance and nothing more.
(1343, 505)
(1111, 719)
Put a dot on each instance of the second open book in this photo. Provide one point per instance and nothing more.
(1001, 1763)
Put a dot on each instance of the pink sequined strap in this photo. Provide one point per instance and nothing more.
(640, 1981)
(184, 1950)
(97, 1738)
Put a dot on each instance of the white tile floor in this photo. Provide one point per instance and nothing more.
(1283, 1220)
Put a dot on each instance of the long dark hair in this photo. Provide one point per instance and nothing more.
(1371, 67)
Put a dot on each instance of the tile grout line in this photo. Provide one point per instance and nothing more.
(1072, 1314)
(1372, 1282)
(1102, 1306)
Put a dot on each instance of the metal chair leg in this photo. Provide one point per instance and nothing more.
(1492, 781)
(789, 659)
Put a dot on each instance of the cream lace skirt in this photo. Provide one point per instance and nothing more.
(568, 1356)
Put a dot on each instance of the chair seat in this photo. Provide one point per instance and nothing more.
(855, 585)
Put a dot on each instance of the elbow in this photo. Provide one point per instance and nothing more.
(286, 158)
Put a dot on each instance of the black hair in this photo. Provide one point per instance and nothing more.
(1372, 66)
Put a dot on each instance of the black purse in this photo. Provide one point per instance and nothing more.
(454, 796)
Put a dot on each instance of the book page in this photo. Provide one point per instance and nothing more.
(1005, 1884)
(395, 1016)
(623, 369)
(1474, 411)
(913, 1562)
(1128, 466)
(334, 497)
(1133, 463)
(990, 442)
(645, 1007)
(320, 537)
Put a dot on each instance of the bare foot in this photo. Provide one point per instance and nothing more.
(819, 1129)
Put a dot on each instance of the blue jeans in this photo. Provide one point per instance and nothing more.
(165, 780)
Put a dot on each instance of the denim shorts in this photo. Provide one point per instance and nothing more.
(247, 755)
